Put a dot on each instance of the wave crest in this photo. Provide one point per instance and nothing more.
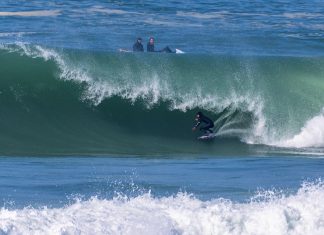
(188, 83)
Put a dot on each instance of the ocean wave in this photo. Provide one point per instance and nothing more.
(268, 212)
(15, 34)
(311, 135)
(40, 13)
(101, 9)
(243, 86)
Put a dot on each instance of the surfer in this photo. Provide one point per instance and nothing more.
(150, 47)
(138, 46)
(200, 117)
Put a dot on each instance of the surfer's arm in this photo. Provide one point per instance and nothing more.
(197, 124)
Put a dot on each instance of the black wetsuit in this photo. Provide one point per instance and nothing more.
(167, 50)
(138, 47)
(150, 48)
(208, 121)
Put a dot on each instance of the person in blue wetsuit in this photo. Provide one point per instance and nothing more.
(138, 47)
(200, 117)
(150, 47)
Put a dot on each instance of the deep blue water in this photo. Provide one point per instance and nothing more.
(57, 181)
(231, 27)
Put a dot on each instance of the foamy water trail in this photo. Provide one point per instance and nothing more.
(311, 135)
(268, 212)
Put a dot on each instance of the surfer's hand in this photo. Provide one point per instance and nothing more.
(194, 128)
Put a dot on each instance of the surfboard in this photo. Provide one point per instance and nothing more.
(207, 136)
(124, 50)
(178, 51)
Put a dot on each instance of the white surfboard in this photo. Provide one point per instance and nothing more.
(178, 51)
(124, 50)
(207, 136)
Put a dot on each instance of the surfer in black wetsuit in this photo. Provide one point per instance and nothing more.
(150, 47)
(138, 47)
(200, 117)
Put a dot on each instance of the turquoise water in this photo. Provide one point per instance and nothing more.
(81, 103)
(95, 141)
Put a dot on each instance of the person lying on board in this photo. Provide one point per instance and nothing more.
(200, 117)
(150, 47)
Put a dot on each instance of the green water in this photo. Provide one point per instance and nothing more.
(83, 102)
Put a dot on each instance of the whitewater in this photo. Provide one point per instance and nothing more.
(155, 195)
(267, 213)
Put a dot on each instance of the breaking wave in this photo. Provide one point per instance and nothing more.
(268, 212)
(71, 100)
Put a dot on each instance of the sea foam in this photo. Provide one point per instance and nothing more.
(311, 135)
(40, 13)
(268, 212)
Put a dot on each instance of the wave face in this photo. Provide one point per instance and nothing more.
(56, 101)
(268, 212)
